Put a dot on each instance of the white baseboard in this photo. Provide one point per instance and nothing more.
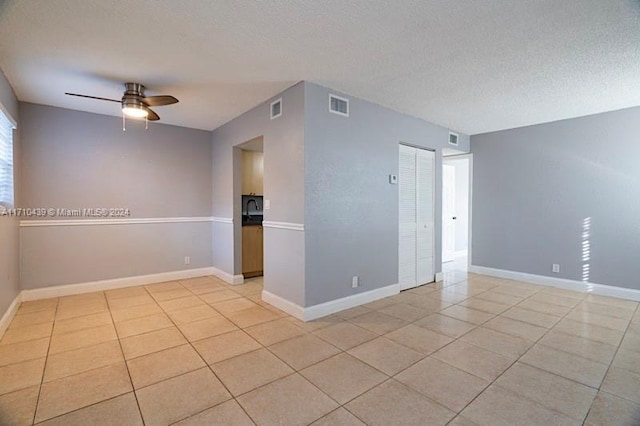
(439, 276)
(11, 312)
(71, 289)
(323, 309)
(599, 289)
(291, 308)
(333, 306)
(228, 278)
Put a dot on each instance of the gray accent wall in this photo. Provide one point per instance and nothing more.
(284, 176)
(9, 230)
(59, 255)
(79, 159)
(82, 160)
(533, 188)
(351, 210)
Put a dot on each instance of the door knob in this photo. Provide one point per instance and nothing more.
(454, 218)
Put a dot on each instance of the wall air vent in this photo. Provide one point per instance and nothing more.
(338, 105)
(276, 108)
(453, 138)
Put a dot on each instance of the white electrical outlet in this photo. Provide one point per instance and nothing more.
(187, 260)
(355, 282)
(555, 268)
(267, 204)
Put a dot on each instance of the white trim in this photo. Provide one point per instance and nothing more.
(12, 120)
(284, 305)
(599, 289)
(80, 288)
(227, 277)
(222, 219)
(439, 276)
(331, 307)
(11, 312)
(331, 95)
(127, 221)
(283, 225)
(271, 108)
(470, 214)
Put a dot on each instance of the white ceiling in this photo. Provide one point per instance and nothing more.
(471, 65)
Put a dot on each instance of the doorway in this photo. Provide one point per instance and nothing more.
(456, 189)
(416, 251)
(252, 208)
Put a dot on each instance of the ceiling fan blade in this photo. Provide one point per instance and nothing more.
(159, 100)
(93, 97)
(152, 115)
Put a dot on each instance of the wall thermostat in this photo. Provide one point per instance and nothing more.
(393, 179)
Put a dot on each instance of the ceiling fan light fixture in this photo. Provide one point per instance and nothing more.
(134, 110)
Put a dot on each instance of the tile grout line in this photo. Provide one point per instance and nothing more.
(133, 389)
(205, 361)
(344, 320)
(44, 367)
(613, 359)
(294, 370)
(511, 365)
(518, 359)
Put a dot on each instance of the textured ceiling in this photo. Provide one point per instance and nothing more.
(471, 65)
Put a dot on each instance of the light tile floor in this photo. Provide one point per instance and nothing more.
(470, 350)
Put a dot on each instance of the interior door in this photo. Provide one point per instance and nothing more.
(448, 212)
(407, 214)
(416, 216)
(425, 229)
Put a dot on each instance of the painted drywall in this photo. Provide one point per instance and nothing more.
(283, 143)
(9, 231)
(461, 166)
(78, 159)
(351, 210)
(61, 255)
(534, 187)
(81, 160)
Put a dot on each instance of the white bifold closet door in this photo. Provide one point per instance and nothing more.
(416, 196)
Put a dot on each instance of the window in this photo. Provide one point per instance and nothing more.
(6, 160)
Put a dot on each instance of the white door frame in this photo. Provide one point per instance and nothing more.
(468, 156)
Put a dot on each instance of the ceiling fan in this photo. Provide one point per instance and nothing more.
(134, 103)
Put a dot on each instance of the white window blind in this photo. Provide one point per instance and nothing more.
(6, 160)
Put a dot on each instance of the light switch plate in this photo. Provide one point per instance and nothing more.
(267, 204)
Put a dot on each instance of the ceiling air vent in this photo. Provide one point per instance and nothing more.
(338, 105)
(276, 108)
(453, 138)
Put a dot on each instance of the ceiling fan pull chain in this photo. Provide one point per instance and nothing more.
(124, 128)
(146, 122)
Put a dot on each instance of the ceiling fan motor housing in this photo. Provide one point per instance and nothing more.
(133, 95)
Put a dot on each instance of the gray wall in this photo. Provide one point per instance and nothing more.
(284, 175)
(82, 160)
(534, 186)
(9, 231)
(351, 210)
